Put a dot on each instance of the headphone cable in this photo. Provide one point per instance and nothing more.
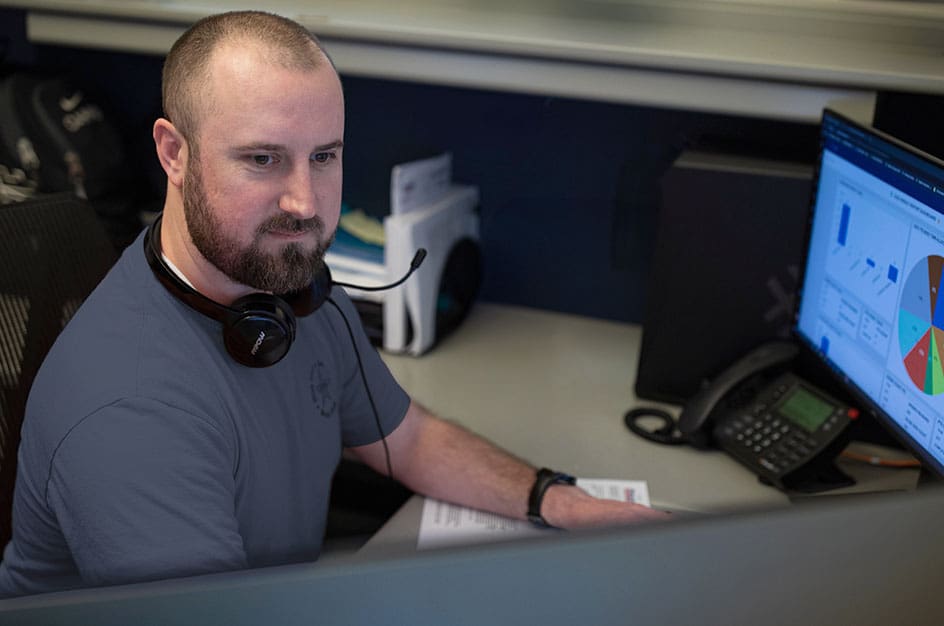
(370, 396)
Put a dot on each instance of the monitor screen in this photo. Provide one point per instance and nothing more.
(871, 303)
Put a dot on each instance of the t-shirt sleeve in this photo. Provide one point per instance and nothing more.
(358, 425)
(145, 491)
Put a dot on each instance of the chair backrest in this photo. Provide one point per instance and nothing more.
(53, 252)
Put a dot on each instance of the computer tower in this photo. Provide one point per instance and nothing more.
(725, 267)
(913, 118)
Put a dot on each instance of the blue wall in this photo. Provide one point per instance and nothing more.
(569, 188)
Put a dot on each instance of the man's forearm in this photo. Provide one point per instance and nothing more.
(449, 462)
(443, 460)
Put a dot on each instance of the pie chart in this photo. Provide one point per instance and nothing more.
(921, 325)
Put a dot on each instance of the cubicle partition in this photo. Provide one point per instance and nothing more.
(871, 560)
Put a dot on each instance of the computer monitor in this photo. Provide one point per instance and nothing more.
(871, 302)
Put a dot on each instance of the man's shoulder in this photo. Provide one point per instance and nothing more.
(106, 330)
(128, 340)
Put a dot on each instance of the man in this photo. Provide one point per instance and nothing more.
(152, 448)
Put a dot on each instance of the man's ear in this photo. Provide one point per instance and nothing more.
(172, 151)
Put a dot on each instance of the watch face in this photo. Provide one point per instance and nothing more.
(545, 478)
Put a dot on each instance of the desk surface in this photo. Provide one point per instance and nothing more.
(552, 389)
(768, 58)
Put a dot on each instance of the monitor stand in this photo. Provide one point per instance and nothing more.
(866, 478)
(928, 479)
(820, 475)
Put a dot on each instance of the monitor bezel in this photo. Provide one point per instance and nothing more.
(930, 465)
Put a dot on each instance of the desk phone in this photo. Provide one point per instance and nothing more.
(781, 427)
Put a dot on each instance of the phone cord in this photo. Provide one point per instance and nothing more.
(666, 434)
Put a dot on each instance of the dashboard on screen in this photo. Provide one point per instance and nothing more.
(871, 302)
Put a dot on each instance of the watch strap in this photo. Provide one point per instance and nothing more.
(544, 479)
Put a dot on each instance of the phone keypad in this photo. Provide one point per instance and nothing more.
(775, 444)
(762, 437)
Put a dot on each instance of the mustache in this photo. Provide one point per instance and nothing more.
(286, 223)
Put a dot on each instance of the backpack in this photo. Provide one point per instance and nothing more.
(54, 136)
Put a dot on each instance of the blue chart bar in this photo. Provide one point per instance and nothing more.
(844, 224)
(824, 344)
(893, 273)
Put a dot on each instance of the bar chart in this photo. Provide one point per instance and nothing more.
(868, 260)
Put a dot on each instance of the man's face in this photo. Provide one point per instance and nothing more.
(262, 193)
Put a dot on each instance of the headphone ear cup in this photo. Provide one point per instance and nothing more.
(308, 300)
(321, 286)
(260, 330)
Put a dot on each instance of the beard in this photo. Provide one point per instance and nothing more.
(289, 269)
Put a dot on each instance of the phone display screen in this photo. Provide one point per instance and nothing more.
(805, 409)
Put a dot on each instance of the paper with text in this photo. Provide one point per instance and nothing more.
(445, 524)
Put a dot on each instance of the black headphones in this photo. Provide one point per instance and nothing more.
(258, 329)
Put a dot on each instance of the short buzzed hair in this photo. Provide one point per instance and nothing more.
(185, 76)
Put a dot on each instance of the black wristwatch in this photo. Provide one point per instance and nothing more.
(545, 479)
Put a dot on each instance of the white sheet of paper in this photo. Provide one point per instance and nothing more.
(445, 524)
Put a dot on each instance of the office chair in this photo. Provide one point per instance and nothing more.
(53, 252)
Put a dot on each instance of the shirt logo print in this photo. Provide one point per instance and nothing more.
(321, 389)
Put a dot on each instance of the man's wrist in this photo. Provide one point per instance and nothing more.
(544, 480)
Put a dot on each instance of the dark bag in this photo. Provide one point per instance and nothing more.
(54, 136)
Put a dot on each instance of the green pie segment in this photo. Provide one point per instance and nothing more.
(921, 325)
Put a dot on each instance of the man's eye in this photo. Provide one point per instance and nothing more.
(323, 157)
(263, 159)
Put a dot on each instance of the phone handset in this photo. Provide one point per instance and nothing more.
(693, 420)
(779, 426)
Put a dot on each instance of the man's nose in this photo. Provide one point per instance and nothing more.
(299, 197)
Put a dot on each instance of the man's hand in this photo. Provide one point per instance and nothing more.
(572, 507)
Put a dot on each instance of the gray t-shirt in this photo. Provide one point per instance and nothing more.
(148, 453)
